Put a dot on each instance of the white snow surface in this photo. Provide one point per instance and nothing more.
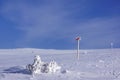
(97, 64)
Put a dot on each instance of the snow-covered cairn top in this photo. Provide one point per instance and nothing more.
(41, 67)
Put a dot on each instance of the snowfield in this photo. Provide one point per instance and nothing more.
(99, 64)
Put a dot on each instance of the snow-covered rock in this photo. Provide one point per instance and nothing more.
(41, 67)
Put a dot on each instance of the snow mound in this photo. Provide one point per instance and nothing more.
(41, 67)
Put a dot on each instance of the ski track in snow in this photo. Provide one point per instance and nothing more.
(103, 64)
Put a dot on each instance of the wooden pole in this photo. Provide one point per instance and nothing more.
(78, 46)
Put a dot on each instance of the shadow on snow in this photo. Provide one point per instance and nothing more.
(16, 69)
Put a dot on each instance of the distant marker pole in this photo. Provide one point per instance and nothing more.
(78, 47)
(111, 45)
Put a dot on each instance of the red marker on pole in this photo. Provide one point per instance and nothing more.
(78, 46)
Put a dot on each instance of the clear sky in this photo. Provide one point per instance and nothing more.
(54, 24)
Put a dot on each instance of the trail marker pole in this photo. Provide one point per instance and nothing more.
(78, 47)
(111, 44)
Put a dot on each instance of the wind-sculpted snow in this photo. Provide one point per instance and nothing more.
(93, 64)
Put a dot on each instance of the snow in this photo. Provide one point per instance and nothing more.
(97, 64)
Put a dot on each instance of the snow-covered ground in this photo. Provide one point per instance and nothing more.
(103, 64)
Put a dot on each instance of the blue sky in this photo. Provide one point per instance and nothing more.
(54, 24)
